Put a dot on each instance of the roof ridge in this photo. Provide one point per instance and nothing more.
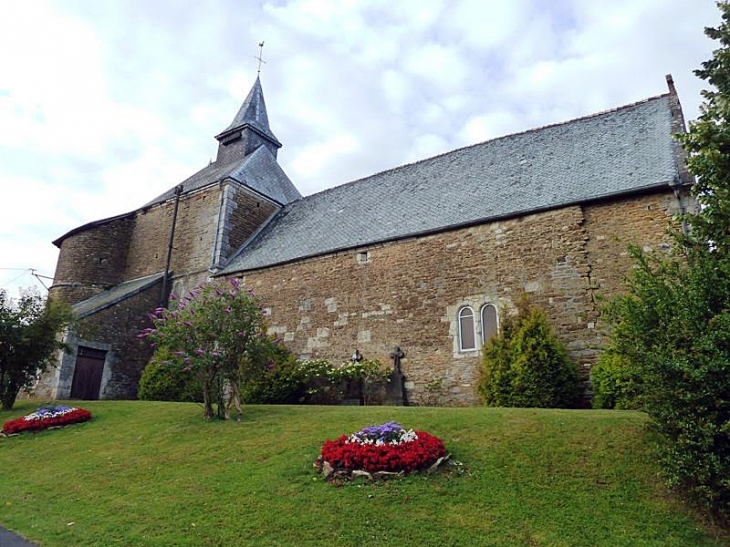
(495, 139)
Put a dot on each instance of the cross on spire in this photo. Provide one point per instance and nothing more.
(260, 57)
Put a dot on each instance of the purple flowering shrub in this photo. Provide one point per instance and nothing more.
(210, 333)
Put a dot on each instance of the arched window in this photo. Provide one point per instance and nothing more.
(467, 335)
(490, 323)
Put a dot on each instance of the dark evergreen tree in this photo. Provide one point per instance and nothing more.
(526, 365)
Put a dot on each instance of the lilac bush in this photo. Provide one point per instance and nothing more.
(211, 333)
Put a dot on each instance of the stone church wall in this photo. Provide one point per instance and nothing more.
(114, 330)
(92, 260)
(408, 293)
(247, 214)
(195, 232)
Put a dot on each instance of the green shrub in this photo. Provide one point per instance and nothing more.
(527, 366)
(272, 376)
(367, 378)
(163, 381)
(615, 382)
(323, 385)
(275, 376)
(675, 326)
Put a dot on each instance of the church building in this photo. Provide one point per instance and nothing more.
(428, 257)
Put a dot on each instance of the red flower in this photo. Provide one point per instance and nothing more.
(408, 456)
(77, 415)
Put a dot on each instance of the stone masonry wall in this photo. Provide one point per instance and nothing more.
(641, 221)
(195, 233)
(114, 329)
(243, 212)
(408, 293)
(247, 215)
(92, 260)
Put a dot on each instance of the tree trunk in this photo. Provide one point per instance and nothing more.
(8, 391)
(207, 397)
(236, 400)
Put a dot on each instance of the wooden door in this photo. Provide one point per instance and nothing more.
(87, 373)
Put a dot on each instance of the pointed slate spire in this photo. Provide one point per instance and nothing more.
(249, 129)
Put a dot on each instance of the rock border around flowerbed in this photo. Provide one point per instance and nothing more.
(381, 452)
(46, 417)
(329, 473)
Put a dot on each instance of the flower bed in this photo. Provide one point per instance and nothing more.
(45, 417)
(382, 449)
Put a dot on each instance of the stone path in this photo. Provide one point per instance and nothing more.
(10, 539)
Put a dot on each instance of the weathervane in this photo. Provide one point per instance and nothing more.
(260, 57)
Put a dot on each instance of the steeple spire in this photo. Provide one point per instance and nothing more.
(249, 129)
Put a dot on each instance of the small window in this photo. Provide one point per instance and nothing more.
(490, 324)
(467, 335)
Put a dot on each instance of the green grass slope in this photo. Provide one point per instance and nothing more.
(144, 473)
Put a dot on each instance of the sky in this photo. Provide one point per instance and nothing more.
(105, 104)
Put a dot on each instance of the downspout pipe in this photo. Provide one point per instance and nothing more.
(682, 210)
(165, 297)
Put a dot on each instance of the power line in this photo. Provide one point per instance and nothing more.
(5, 284)
(26, 271)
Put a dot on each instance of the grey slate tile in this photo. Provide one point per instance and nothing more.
(617, 152)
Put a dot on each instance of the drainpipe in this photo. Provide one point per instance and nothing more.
(682, 210)
(165, 279)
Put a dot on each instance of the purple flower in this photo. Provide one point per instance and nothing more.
(200, 352)
(172, 296)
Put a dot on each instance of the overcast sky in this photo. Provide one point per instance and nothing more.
(105, 104)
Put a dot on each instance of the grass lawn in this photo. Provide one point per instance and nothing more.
(144, 473)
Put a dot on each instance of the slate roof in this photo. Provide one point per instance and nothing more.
(252, 113)
(259, 171)
(114, 295)
(625, 150)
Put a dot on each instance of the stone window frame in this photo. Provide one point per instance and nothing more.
(481, 320)
(459, 318)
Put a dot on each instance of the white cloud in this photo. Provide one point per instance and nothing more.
(484, 127)
(104, 105)
(311, 159)
(485, 24)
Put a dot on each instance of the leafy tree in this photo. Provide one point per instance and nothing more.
(526, 365)
(28, 342)
(211, 333)
(673, 326)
